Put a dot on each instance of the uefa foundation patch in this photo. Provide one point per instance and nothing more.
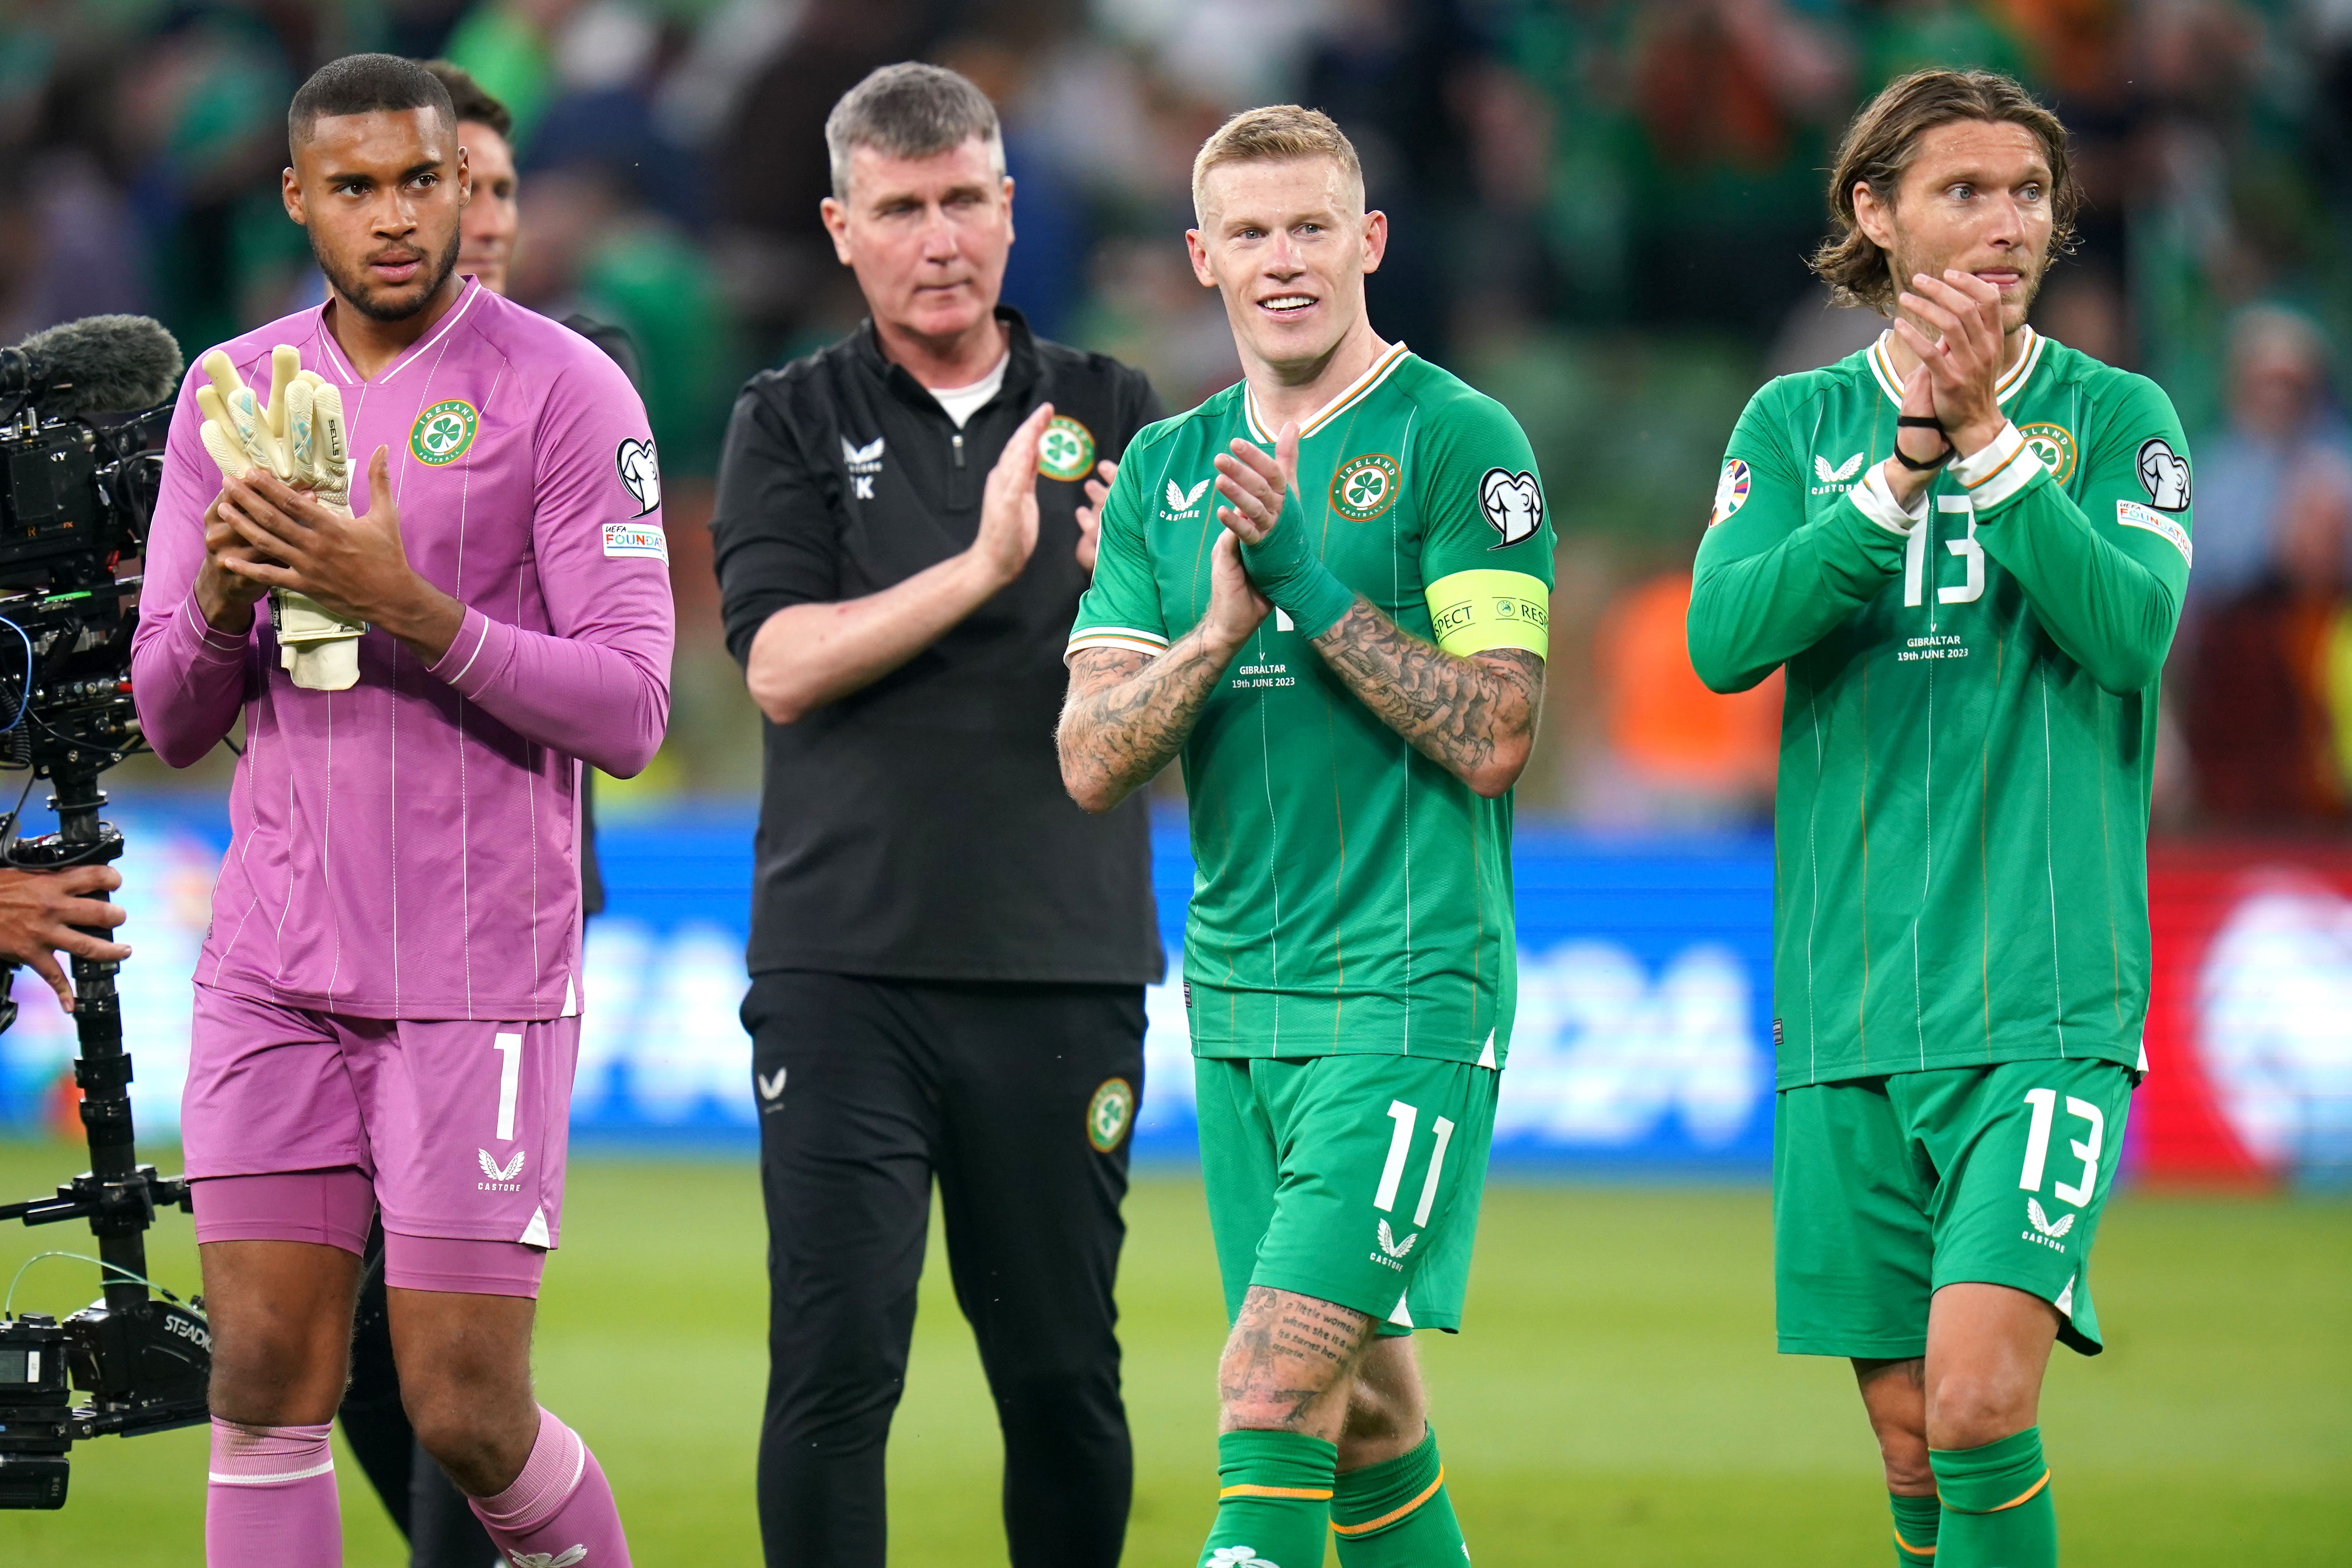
(1108, 1114)
(625, 539)
(2131, 514)
(443, 432)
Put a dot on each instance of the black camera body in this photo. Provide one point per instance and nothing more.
(144, 1369)
(76, 493)
(36, 1412)
(53, 506)
(75, 498)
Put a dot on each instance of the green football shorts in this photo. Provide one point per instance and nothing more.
(1352, 1179)
(1884, 1190)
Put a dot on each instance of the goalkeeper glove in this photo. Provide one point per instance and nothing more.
(299, 435)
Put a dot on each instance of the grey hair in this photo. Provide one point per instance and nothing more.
(909, 110)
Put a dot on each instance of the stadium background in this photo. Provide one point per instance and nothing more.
(1601, 211)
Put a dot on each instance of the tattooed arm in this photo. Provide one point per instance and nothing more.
(1127, 714)
(1474, 717)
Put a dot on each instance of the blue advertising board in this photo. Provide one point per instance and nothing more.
(1642, 1044)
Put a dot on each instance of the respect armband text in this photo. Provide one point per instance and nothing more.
(1474, 612)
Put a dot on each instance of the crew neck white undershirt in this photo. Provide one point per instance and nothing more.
(963, 402)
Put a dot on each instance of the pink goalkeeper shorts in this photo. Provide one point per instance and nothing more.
(458, 1127)
(334, 1208)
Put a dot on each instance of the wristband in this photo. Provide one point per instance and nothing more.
(1922, 422)
(1292, 575)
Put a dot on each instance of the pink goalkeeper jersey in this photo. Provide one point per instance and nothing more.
(410, 847)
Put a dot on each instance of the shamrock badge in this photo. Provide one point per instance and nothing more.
(443, 432)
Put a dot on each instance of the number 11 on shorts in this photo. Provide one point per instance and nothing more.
(1400, 1142)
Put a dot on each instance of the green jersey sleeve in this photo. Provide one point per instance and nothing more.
(1769, 584)
(1487, 534)
(2107, 577)
(1121, 608)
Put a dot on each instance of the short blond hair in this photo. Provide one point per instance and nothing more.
(1277, 133)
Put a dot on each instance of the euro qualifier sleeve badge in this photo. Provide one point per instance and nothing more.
(2163, 474)
(640, 468)
(1513, 503)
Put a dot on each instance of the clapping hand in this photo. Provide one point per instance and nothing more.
(1090, 513)
(1008, 506)
(1964, 362)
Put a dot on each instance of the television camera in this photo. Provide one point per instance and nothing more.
(80, 407)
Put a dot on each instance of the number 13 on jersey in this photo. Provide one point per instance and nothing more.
(1914, 557)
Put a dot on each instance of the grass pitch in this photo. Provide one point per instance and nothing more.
(1615, 1402)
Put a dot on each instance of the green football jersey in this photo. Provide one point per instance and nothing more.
(1970, 723)
(1349, 896)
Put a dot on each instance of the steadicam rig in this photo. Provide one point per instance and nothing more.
(76, 493)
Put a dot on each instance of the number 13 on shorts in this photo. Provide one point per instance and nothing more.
(1400, 1140)
(2044, 1102)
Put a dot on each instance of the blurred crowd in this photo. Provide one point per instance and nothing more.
(1601, 211)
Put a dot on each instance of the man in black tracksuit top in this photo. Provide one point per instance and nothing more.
(948, 956)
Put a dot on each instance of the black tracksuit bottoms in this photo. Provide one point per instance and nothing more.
(868, 1090)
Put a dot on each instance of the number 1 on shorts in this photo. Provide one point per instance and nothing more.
(509, 1047)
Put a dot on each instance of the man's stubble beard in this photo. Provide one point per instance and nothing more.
(1905, 267)
(359, 293)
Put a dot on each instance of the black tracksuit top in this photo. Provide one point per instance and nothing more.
(918, 829)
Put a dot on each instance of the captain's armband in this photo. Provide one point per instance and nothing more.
(1473, 612)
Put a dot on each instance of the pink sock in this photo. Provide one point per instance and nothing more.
(272, 1501)
(559, 1512)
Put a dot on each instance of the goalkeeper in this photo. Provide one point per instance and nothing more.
(387, 1004)
(1968, 546)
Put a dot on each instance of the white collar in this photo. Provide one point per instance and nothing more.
(1882, 365)
(1354, 393)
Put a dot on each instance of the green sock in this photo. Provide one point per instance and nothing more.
(1274, 1501)
(1914, 1528)
(1996, 1507)
(1395, 1514)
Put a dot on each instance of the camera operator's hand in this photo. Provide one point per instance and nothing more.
(226, 598)
(39, 911)
(353, 566)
